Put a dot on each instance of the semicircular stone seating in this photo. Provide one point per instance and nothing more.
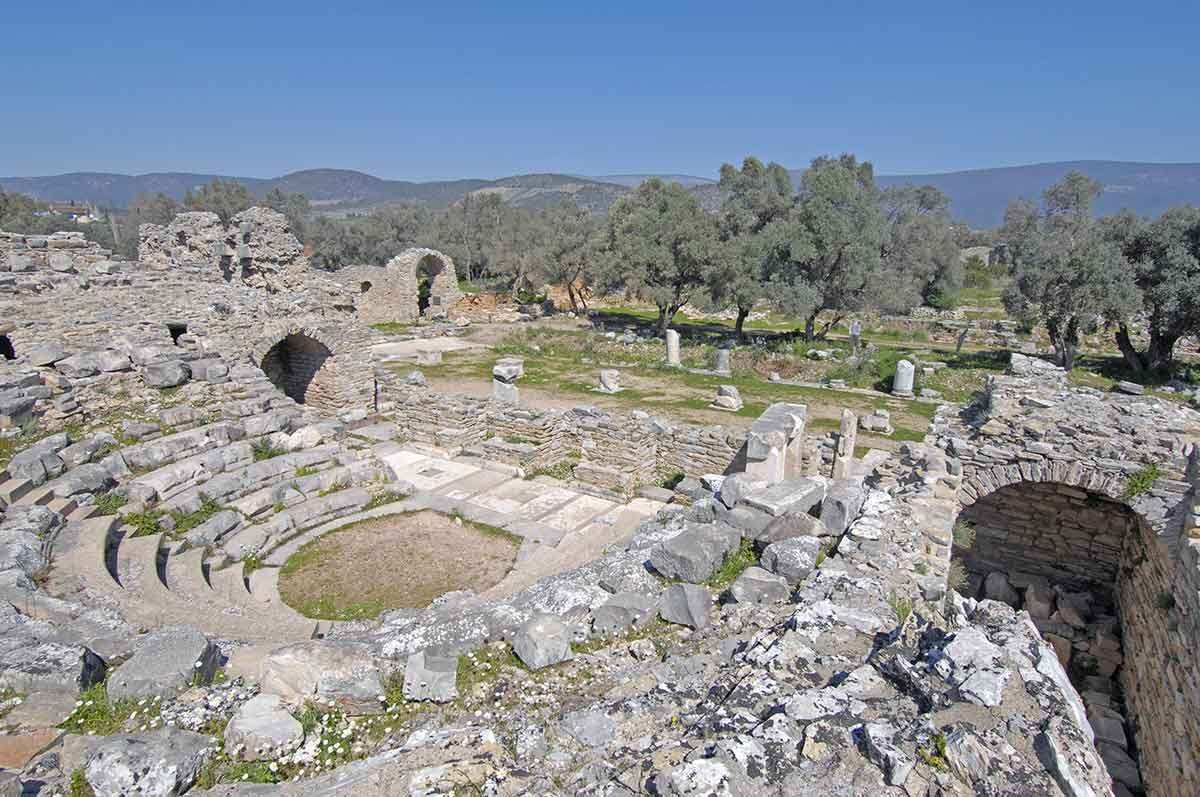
(232, 504)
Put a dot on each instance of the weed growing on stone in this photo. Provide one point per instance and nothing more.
(145, 523)
(734, 565)
(964, 535)
(265, 449)
(108, 503)
(78, 786)
(186, 521)
(383, 499)
(823, 553)
(391, 327)
(96, 716)
(1141, 482)
(956, 576)
(305, 470)
(902, 607)
(336, 487)
(936, 757)
(483, 666)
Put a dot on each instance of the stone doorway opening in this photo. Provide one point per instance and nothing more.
(6, 348)
(292, 365)
(1061, 553)
(177, 330)
(428, 269)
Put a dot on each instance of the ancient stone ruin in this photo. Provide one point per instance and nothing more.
(1007, 607)
(417, 283)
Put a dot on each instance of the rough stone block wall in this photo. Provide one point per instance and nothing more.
(1064, 533)
(619, 452)
(1158, 598)
(696, 450)
(540, 429)
(380, 296)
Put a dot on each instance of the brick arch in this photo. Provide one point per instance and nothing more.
(979, 482)
(408, 267)
(300, 361)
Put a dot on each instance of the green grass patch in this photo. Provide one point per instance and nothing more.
(108, 503)
(1141, 482)
(94, 714)
(145, 523)
(734, 565)
(484, 665)
(78, 785)
(383, 499)
(186, 521)
(392, 327)
(265, 449)
(305, 470)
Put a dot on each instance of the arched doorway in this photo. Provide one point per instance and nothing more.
(6, 348)
(428, 269)
(293, 363)
(1066, 556)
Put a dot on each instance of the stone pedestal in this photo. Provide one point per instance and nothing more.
(610, 381)
(902, 382)
(775, 444)
(673, 348)
(721, 365)
(843, 457)
(429, 356)
(504, 374)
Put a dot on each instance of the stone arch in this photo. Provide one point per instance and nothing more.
(440, 293)
(7, 351)
(1099, 573)
(294, 362)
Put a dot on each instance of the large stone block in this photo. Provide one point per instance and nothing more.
(696, 553)
(167, 661)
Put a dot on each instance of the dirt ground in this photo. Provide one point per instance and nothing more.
(393, 562)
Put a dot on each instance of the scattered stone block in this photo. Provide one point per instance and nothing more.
(169, 373)
(156, 764)
(610, 381)
(788, 497)
(841, 505)
(793, 558)
(542, 641)
(694, 554)
(728, 398)
(621, 612)
(430, 676)
(686, 604)
(167, 660)
(343, 672)
(902, 382)
(260, 728)
(756, 585)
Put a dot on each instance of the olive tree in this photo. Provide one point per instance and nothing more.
(1165, 257)
(1067, 274)
(755, 196)
(662, 246)
(919, 258)
(226, 198)
(826, 250)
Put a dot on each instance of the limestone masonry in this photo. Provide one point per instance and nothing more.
(1009, 607)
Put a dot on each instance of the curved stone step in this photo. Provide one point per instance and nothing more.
(185, 575)
(232, 485)
(230, 584)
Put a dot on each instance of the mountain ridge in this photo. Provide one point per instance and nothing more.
(977, 196)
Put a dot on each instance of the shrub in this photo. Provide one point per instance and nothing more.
(1141, 482)
(964, 535)
(902, 606)
(956, 576)
(265, 449)
(108, 503)
(145, 523)
(733, 565)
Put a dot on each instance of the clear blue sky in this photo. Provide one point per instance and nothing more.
(437, 90)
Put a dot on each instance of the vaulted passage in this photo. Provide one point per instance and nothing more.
(6, 348)
(1097, 584)
(293, 363)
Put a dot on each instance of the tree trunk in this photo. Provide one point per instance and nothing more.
(742, 312)
(1162, 350)
(810, 324)
(1133, 358)
(664, 319)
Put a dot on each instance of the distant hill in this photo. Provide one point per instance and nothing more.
(634, 180)
(328, 189)
(978, 196)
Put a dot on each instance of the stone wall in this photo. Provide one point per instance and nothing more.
(256, 249)
(1158, 600)
(392, 293)
(617, 451)
(1052, 530)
